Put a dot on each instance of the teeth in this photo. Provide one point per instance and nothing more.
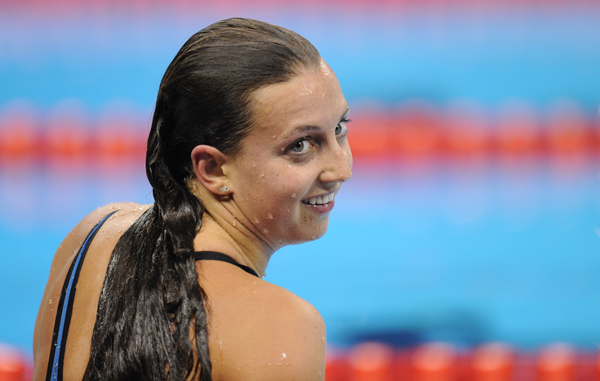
(319, 200)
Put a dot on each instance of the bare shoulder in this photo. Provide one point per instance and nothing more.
(91, 276)
(73, 241)
(268, 333)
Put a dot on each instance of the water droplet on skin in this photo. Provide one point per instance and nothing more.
(261, 175)
(234, 223)
(280, 241)
(266, 231)
(314, 237)
(256, 221)
(270, 216)
(253, 165)
(293, 195)
(50, 301)
(289, 166)
(254, 291)
(283, 356)
(275, 136)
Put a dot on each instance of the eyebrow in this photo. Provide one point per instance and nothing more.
(310, 128)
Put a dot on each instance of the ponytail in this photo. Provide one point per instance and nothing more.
(145, 331)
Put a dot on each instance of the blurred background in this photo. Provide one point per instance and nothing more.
(473, 215)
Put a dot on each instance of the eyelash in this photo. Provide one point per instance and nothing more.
(304, 139)
(308, 138)
(344, 121)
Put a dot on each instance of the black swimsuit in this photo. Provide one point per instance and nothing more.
(214, 256)
(63, 315)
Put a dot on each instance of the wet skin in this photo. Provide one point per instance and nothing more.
(296, 150)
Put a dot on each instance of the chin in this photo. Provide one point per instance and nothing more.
(304, 238)
(317, 234)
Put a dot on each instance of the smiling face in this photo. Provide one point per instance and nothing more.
(295, 158)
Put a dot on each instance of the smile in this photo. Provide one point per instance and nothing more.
(321, 200)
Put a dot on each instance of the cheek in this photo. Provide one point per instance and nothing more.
(348, 153)
(282, 194)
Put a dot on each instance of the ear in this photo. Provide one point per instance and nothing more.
(208, 167)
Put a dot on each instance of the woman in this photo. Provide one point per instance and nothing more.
(246, 152)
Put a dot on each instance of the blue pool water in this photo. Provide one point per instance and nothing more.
(464, 251)
(467, 250)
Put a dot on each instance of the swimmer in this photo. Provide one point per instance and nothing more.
(246, 153)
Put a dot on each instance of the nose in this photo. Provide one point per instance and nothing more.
(339, 164)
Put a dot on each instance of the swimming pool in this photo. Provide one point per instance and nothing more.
(462, 251)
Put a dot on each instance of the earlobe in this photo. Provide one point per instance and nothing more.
(208, 167)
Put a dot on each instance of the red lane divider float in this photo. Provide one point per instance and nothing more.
(410, 132)
(428, 362)
(70, 138)
(443, 362)
(14, 365)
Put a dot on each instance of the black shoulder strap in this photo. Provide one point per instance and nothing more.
(63, 317)
(214, 256)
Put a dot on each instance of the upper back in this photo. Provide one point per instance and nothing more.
(257, 331)
(88, 288)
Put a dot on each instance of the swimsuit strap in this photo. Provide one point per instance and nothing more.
(214, 256)
(64, 310)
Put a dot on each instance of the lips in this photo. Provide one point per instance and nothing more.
(320, 200)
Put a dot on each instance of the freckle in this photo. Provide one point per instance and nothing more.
(266, 231)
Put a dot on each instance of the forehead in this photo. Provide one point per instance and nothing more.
(311, 97)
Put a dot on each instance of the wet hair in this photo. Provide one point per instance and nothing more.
(152, 313)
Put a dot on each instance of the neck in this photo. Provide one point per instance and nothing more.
(224, 231)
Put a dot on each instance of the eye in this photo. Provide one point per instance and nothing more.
(300, 146)
(341, 129)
